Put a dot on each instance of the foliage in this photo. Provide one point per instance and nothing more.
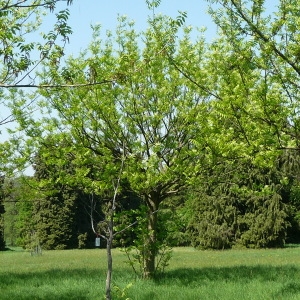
(19, 20)
(294, 230)
(258, 96)
(19, 197)
(61, 211)
(150, 114)
(136, 252)
(238, 204)
(121, 293)
(21, 53)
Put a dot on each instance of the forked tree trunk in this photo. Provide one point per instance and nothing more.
(151, 238)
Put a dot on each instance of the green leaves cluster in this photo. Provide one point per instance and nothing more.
(20, 21)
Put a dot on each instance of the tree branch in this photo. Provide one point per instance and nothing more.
(42, 86)
(264, 37)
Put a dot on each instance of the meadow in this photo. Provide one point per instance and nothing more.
(192, 274)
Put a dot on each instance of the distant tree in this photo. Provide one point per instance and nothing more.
(61, 211)
(18, 202)
(239, 204)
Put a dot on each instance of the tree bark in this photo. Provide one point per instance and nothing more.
(151, 238)
(109, 261)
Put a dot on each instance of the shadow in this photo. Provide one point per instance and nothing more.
(50, 285)
(242, 274)
(7, 249)
(13, 249)
(292, 246)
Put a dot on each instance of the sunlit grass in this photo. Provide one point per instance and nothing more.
(192, 274)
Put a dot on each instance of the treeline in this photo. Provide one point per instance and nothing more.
(233, 205)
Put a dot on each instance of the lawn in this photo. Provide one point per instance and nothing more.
(192, 274)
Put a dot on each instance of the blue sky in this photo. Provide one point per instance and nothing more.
(83, 13)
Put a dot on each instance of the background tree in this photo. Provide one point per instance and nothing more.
(61, 211)
(18, 217)
(238, 204)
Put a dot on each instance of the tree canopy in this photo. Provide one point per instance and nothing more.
(149, 114)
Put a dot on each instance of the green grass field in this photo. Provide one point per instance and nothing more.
(192, 274)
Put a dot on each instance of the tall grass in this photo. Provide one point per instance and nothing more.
(192, 274)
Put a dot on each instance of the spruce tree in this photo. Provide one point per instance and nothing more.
(238, 204)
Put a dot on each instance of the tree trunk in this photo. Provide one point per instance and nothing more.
(109, 261)
(151, 238)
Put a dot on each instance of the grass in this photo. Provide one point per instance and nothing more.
(192, 274)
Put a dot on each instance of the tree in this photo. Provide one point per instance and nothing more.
(150, 114)
(254, 71)
(61, 212)
(18, 217)
(239, 204)
(253, 82)
(261, 90)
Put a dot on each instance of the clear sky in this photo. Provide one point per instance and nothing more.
(83, 13)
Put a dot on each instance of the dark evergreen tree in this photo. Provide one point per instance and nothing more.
(62, 212)
(20, 194)
(290, 165)
(238, 204)
(293, 233)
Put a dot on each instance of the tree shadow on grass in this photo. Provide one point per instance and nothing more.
(189, 276)
(288, 277)
(84, 284)
(51, 285)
